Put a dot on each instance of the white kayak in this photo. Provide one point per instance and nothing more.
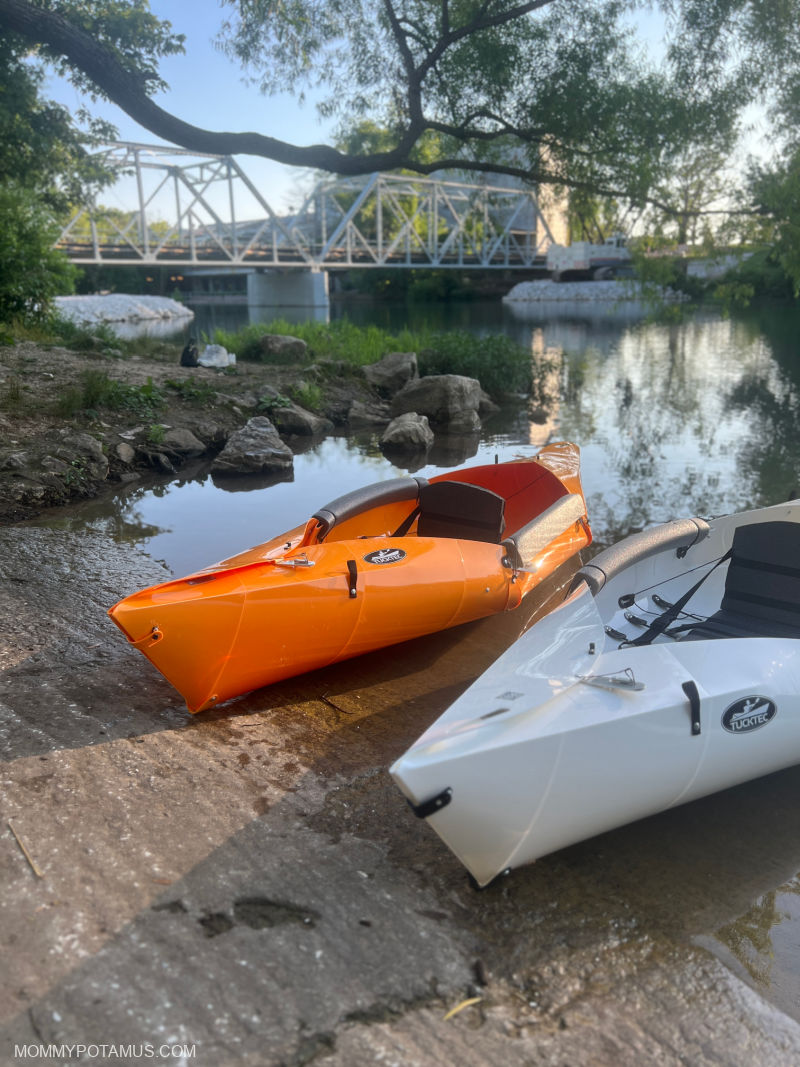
(670, 671)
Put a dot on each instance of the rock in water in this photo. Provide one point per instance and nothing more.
(255, 449)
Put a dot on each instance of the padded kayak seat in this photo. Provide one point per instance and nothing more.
(458, 509)
(762, 585)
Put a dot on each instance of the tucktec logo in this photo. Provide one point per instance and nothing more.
(385, 555)
(748, 714)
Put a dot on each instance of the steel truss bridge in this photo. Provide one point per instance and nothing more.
(184, 209)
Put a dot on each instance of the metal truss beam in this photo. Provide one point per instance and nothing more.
(184, 209)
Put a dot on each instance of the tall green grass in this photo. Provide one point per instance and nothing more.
(500, 364)
(340, 340)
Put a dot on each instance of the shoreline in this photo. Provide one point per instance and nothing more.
(168, 415)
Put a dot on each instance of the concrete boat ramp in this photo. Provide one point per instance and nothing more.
(247, 887)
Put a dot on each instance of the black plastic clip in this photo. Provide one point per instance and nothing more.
(690, 689)
(352, 571)
(430, 807)
(616, 635)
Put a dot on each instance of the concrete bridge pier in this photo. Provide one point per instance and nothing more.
(288, 288)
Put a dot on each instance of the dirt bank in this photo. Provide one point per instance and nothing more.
(75, 423)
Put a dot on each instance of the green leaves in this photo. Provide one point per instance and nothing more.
(776, 193)
(32, 272)
(128, 29)
(562, 91)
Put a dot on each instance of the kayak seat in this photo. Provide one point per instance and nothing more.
(762, 585)
(458, 509)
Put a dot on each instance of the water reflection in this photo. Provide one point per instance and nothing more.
(669, 423)
(764, 943)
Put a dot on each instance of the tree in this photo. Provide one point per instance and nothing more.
(32, 272)
(565, 82)
(43, 165)
(775, 190)
(41, 148)
(699, 181)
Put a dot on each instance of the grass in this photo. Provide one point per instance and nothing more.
(96, 391)
(308, 395)
(98, 340)
(340, 340)
(193, 392)
(500, 364)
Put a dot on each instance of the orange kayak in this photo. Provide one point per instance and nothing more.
(383, 564)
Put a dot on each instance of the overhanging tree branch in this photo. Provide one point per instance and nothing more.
(42, 26)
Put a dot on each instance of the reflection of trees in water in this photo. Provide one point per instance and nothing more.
(118, 516)
(749, 937)
(664, 410)
(778, 328)
(772, 455)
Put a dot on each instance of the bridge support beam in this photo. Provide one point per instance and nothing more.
(289, 288)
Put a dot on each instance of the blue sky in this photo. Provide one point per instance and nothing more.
(206, 89)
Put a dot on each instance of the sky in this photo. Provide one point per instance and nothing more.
(206, 89)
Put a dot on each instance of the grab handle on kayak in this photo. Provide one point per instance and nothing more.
(690, 689)
(154, 637)
(352, 577)
(430, 807)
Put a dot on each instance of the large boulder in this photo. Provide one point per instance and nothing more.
(408, 433)
(254, 449)
(83, 451)
(211, 433)
(390, 374)
(450, 401)
(279, 348)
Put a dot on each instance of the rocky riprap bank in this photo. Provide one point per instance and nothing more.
(100, 308)
(596, 292)
(244, 422)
